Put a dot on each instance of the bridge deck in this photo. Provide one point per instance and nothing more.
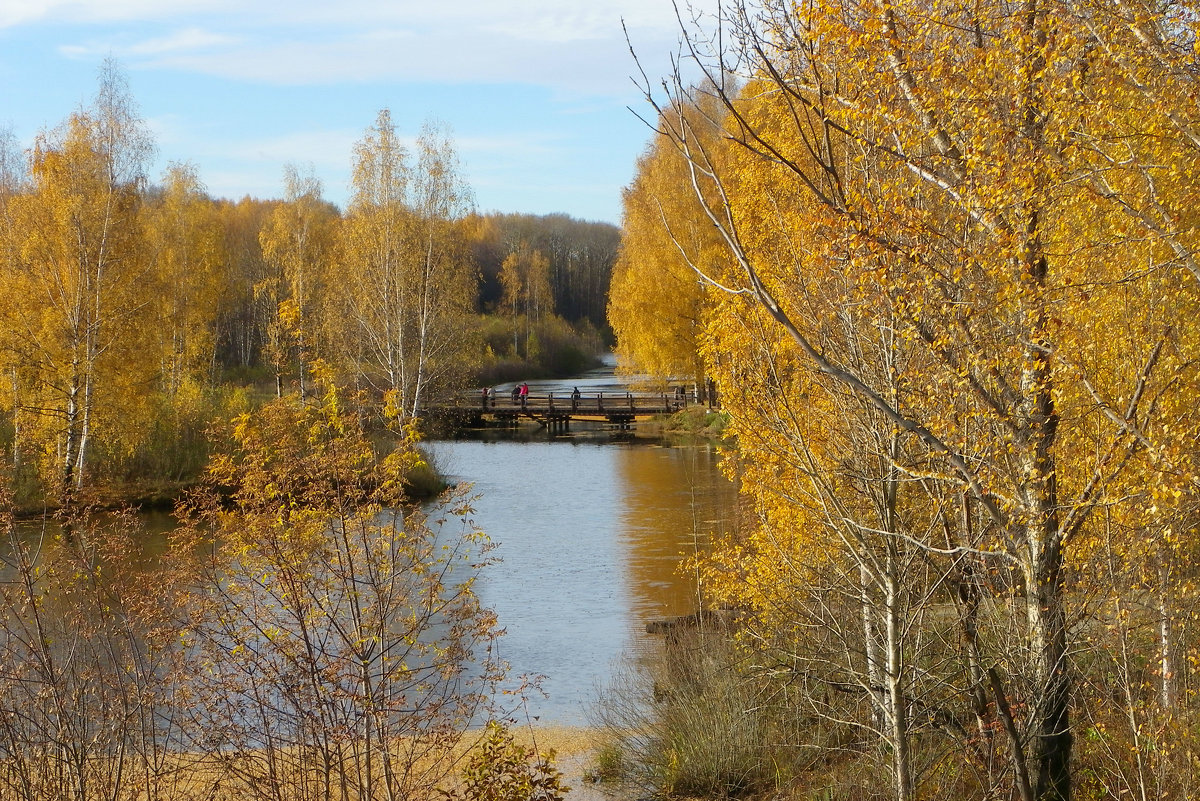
(622, 408)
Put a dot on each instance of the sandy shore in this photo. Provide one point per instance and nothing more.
(574, 754)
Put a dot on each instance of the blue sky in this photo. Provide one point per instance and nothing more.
(536, 93)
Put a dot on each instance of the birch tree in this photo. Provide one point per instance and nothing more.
(296, 243)
(525, 279)
(78, 274)
(189, 259)
(12, 180)
(920, 170)
(403, 247)
(657, 302)
(446, 278)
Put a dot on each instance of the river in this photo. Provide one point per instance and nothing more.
(591, 529)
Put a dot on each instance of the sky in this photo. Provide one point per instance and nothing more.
(538, 95)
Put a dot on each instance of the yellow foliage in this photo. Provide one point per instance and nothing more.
(952, 315)
(656, 298)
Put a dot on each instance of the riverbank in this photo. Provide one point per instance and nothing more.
(575, 750)
(695, 421)
(139, 496)
(422, 482)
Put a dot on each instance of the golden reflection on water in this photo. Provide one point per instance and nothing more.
(675, 502)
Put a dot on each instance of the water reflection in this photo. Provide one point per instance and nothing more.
(590, 538)
(673, 500)
(42, 537)
(591, 527)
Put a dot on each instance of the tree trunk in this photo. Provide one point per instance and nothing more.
(897, 705)
(85, 427)
(1052, 717)
(70, 443)
(16, 423)
(871, 645)
(1165, 647)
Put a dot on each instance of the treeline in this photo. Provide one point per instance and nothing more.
(133, 314)
(942, 261)
(543, 284)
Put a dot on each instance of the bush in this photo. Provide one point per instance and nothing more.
(422, 479)
(502, 770)
(338, 643)
(609, 764)
(305, 635)
(514, 349)
(699, 422)
(688, 723)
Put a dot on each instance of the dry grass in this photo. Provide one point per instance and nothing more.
(566, 741)
(193, 777)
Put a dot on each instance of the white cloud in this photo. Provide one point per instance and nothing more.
(392, 55)
(19, 12)
(577, 48)
(322, 148)
(186, 39)
(570, 20)
(302, 65)
(253, 166)
(531, 145)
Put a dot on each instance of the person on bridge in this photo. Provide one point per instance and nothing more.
(516, 393)
(575, 399)
(524, 394)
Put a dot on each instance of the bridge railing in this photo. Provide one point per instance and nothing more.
(581, 403)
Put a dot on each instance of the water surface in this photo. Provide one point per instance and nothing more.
(591, 536)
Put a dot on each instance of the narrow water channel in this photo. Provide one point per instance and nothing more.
(591, 535)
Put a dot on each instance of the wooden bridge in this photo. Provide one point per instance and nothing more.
(557, 410)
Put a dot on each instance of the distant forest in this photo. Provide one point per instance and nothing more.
(135, 313)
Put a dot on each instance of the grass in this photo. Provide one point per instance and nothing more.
(686, 725)
(185, 776)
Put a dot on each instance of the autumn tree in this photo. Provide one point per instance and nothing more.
(525, 278)
(244, 316)
(657, 300)
(12, 180)
(77, 278)
(187, 249)
(403, 245)
(342, 651)
(932, 177)
(841, 589)
(581, 256)
(446, 281)
(296, 243)
(93, 682)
